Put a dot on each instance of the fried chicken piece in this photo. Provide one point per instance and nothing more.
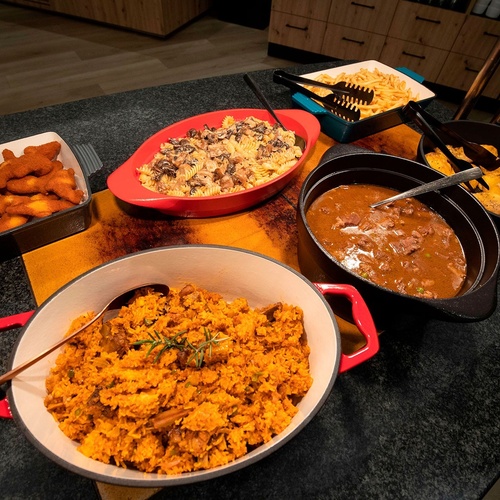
(63, 184)
(33, 184)
(38, 174)
(8, 154)
(41, 196)
(11, 199)
(41, 206)
(8, 221)
(27, 185)
(15, 168)
(50, 150)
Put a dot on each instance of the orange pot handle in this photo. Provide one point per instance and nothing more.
(363, 320)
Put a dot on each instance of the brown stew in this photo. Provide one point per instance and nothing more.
(404, 246)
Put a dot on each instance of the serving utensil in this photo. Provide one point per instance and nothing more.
(299, 141)
(450, 180)
(108, 311)
(343, 90)
(344, 109)
(479, 155)
(414, 112)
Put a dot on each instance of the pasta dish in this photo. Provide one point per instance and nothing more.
(238, 155)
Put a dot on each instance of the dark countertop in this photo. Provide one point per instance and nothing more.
(420, 420)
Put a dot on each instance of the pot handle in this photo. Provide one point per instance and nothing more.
(363, 320)
(5, 408)
(13, 321)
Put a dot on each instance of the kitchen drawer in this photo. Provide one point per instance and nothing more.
(426, 25)
(477, 37)
(348, 43)
(368, 15)
(313, 9)
(296, 32)
(459, 72)
(426, 61)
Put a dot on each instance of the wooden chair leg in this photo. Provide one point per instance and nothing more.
(480, 82)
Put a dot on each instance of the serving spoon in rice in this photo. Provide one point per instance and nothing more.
(109, 311)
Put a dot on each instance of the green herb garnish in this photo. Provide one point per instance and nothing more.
(199, 352)
(160, 340)
(166, 343)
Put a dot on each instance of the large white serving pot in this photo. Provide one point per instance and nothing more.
(231, 272)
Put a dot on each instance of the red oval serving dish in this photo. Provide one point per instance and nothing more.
(124, 181)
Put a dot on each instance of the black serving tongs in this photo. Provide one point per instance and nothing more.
(425, 122)
(479, 155)
(343, 90)
(338, 106)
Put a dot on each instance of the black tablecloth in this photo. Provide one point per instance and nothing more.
(419, 420)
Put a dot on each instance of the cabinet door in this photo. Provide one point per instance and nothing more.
(348, 43)
(369, 15)
(425, 61)
(125, 13)
(426, 25)
(313, 9)
(477, 37)
(460, 71)
(296, 32)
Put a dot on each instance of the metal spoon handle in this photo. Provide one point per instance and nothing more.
(115, 303)
(23, 366)
(451, 180)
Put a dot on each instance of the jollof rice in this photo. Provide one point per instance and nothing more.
(226, 381)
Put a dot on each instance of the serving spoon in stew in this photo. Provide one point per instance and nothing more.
(451, 180)
(109, 311)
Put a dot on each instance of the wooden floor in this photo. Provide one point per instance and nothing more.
(48, 59)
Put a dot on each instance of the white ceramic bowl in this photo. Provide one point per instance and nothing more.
(233, 273)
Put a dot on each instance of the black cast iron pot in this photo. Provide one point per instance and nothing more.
(480, 132)
(466, 216)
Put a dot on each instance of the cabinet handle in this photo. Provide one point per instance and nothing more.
(413, 55)
(305, 28)
(426, 19)
(472, 70)
(487, 33)
(359, 42)
(357, 4)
